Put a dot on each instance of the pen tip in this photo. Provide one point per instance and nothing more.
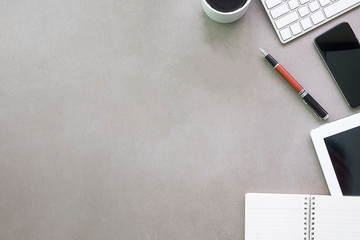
(263, 52)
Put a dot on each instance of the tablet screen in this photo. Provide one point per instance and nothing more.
(344, 151)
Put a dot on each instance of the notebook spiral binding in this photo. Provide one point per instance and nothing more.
(306, 218)
(309, 218)
(312, 219)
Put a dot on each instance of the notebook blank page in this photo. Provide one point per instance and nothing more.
(274, 216)
(336, 218)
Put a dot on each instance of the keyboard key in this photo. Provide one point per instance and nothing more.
(324, 2)
(314, 6)
(286, 20)
(304, 1)
(303, 11)
(295, 28)
(306, 23)
(279, 11)
(317, 17)
(285, 34)
(339, 6)
(293, 4)
(272, 3)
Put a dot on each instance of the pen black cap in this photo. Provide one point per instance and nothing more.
(316, 107)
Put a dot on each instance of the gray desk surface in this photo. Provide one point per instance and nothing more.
(147, 120)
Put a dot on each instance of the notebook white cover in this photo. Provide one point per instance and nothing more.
(301, 216)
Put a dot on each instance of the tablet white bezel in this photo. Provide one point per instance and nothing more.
(318, 135)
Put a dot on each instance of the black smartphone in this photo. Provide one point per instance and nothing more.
(340, 50)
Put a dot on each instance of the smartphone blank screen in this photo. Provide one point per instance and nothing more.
(340, 50)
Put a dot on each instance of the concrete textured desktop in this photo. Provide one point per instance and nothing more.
(148, 120)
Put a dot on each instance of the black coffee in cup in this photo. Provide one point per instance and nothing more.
(226, 5)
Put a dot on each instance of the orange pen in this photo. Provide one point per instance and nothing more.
(307, 98)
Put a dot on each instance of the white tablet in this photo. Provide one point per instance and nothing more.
(337, 145)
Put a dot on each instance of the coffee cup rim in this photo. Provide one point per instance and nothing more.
(227, 13)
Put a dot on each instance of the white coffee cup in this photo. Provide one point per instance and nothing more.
(224, 17)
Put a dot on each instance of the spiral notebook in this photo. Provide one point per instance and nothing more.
(301, 217)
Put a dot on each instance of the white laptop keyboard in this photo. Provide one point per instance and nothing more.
(293, 18)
